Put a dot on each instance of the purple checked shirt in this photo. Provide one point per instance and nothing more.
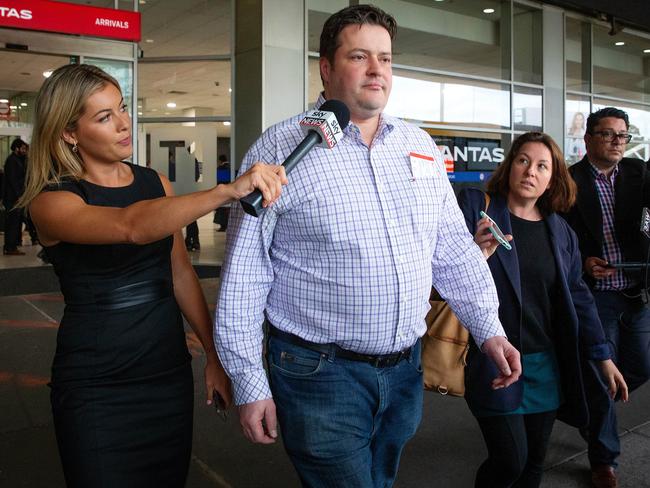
(611, 248)
(349, 252)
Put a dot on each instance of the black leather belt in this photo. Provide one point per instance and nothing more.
(126, 296)
(377, 360)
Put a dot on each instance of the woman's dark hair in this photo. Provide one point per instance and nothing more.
(561, 194)
(352, 15)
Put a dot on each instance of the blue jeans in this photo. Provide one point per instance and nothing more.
(626, 322)
(344, 423)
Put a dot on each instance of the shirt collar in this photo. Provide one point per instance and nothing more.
(386, 122)
(597, 172)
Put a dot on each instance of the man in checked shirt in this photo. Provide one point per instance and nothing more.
(612, 192)
(341, 268)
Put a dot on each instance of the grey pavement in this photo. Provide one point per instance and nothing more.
(444, 453)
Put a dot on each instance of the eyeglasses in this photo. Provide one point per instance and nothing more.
(610, 135)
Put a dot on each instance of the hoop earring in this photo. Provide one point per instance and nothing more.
(75, 149)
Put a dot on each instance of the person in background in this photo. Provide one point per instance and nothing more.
(13, 188)
(342, 268)
(29, 225)
(546, 310)
(612, 191)
(575, 138)
(121, 388)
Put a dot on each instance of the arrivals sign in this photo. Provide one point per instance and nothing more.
(70, 18)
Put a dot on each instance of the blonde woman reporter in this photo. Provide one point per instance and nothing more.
(122, 388)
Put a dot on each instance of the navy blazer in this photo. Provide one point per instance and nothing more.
(632, 193)
(579, 331)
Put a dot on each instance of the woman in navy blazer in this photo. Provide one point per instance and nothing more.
(546, 310)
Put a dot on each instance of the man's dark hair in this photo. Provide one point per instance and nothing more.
(17, 144)
(352, 15)
(222, 158)
(595, 117)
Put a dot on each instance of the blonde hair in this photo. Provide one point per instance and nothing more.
(59, 105)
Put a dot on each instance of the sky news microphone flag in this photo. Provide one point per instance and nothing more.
(323, 127)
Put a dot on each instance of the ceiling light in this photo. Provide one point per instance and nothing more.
(47, 73)
(148, 41)
(13, 107)
(139, 106)
(619, 43)
(23, 104)
(646, 50)
(139, 113)
(4, 100)
(229, 90)
(171, 105)
(226, 123)
(142, 2)
(488, 10)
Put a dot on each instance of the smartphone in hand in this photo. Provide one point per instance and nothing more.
(496, 232)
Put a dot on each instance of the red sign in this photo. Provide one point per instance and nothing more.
(70, 18)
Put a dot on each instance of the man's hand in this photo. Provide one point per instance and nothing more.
(598, 268)
(258, 421)
(506, 358)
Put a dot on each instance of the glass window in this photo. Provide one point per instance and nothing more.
(639, 146)
(122, 71)
(189, 89)
(187, 28)
(576, 51)
(527, 46)
(577, 110)
(463, 36)
(527, 108)
(621, 68)
(446, 100)
(21, 79)
(315, 83)
(317, 13)
(470, 157)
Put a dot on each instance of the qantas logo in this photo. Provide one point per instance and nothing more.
(23, 14)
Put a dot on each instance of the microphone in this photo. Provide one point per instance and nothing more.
(645, 222)
(323, 127)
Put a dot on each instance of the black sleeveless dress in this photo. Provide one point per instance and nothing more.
(122, 389)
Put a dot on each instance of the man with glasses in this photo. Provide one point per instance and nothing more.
(612, 191)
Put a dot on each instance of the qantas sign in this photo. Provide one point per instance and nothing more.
(70, 18)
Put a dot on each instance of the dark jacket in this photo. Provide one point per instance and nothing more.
(579, 333)
(632, 193)
(14, 180)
